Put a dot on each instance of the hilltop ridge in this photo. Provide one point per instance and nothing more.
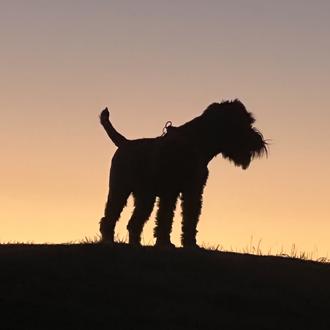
(87, 286)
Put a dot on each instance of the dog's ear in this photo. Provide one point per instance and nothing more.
(213, 108)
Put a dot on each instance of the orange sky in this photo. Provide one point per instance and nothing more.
(153, 61)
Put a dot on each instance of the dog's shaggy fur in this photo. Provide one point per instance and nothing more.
(175, 164)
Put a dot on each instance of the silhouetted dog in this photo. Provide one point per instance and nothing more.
(174, 164)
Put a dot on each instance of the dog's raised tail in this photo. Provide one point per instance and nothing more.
(114, 135)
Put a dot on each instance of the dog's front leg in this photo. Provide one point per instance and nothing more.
(191, 203)
(164, 220)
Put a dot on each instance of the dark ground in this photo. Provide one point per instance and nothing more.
(97, 287)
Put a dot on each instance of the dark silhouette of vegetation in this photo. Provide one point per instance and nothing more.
(91, 286)
(174, 165)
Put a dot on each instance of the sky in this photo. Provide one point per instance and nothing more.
(151, 61)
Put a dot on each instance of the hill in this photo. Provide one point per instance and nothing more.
(91, 286)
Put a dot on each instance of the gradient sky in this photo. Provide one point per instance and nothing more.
(153, 61)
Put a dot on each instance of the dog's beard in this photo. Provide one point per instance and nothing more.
(258, 145)
(252, 146)
(239, 160)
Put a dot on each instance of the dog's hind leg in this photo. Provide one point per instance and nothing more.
(117, 199)
(164, 219)
(143, 208)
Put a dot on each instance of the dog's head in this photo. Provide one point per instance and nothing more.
(233, 134)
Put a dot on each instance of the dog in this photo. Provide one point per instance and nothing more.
(173, 165)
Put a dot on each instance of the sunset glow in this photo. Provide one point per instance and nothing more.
(62, 62)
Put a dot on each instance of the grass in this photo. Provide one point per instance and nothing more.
(256, 249)
(252, 248)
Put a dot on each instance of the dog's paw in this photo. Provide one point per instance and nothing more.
(191, 246)
(164, 245)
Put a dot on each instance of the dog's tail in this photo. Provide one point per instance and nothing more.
(115, 136)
